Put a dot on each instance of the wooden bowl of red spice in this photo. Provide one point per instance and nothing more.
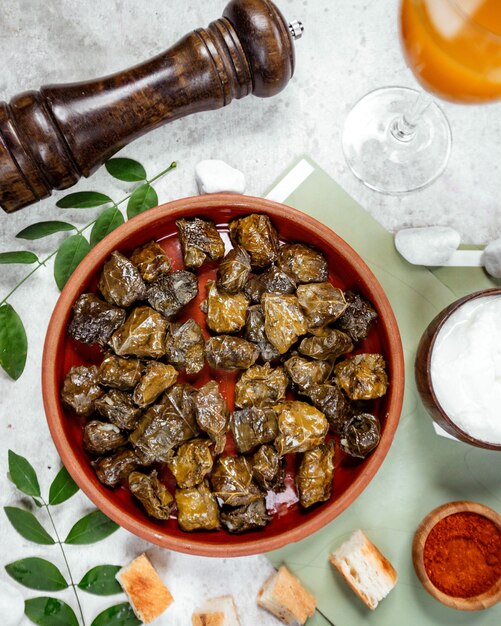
(457, 555)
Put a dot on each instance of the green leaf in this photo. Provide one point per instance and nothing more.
(37, 502)
(37, 574)
(28, 526)
(62, 488)
(101, 580)
(43, 229)
(13, 342)
(118, 615)
(142, 199)
(126, 169)
(23, 475)
(83, 200)
(91, 528)
(49, 612)
(70, 253)
(109, 219)
(21, 256)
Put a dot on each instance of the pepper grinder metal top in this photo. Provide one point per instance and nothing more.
(51, 137)
(297, 29)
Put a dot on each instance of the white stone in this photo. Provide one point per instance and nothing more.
(11, 604)
(491, 258)
(214, 176)
(430, 246)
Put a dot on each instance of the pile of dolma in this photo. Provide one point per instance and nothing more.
(272, 314)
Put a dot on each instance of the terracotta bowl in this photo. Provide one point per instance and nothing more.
(485, 600)
(423, 372)
(347, 270)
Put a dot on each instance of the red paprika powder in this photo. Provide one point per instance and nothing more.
(462, 554)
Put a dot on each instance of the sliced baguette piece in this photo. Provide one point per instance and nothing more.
(365, 569)
(285, 597)
(219, 611)
(147, 594)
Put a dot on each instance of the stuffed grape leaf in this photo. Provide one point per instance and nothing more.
(118, 407)
(233, 270)
(94, 321)
(302, 263)
(230, 353)
(197, 508)
(166, 425)
(151, 261)
(273, 280)
(113, 470)
(268, 468)
(329, 399)
(315, 474)
(81, 389)
(254, 331)
(101, 437)
(170, 293)
(192, 463)
(212, 414)
(284, 320)
(363, 377)
(200, 241)
(304, 373)
(358, 317)
(260, 385)
(252, 427)
(185, 346)
(244, 518)
(156, 379)
(156, 499)
(360, 435)
(326, 345)
(232, 482)
(321, 302)
(226, 312)
(258, 236)
(301, 427)
(120, 373)
(121, 283)
(142, 335)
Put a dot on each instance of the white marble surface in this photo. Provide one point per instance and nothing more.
(349, 48)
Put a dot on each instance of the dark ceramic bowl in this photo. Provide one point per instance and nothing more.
(423, 372)
(347, 270)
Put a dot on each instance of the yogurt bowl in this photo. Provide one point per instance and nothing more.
(458, 369)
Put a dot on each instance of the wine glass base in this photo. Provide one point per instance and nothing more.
(385, 163)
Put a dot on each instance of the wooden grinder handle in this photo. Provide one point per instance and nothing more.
(51, 137)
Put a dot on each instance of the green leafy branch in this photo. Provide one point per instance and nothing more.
(42, 575)
(13, 340)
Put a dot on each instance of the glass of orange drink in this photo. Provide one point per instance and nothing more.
(397, 139)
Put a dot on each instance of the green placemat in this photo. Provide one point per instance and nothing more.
(422, 470)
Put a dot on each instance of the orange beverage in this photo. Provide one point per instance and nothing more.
(454, 47)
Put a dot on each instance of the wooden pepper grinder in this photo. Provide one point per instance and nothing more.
(51, 137)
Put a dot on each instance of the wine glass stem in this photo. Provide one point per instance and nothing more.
(404, 127)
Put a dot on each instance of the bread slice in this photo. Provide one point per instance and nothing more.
(216, 612)
(365, 569)
(147, 594)
(286, 598)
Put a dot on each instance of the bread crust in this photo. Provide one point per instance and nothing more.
(208, 619)
(148, 595)
(290, 601)
(219, 611)
(377, 559)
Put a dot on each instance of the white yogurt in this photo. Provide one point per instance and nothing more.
(466, 368)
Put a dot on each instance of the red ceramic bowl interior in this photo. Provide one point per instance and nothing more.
(291, 522)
